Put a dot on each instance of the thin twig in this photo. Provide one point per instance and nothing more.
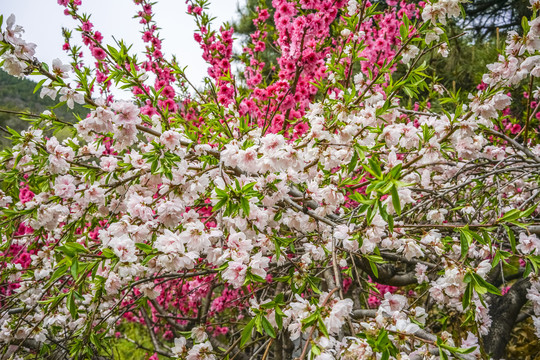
(304, 351)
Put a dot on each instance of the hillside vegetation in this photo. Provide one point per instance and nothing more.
(17, 95)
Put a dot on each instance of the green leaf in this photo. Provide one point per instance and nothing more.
(481, 286)
(489, 287)
(369, 170)
(246, 333)
(442, 354)
(39, 84)
(108, 253)
(310, 320)
(374, 268)
(528, 269)
(457, 350)
(395, 172)
(513, 214)
(313, 283)
(74, 268)
(382, 340)
(59, 272)
(322, 327)
(403, 32)
(465, 351)
(220, 204)
(66, 250)
(480, 290)
(465, 239)
(374, 168)
(146, 248)
(248, 187)
(244, 204)
(405, 20)
(525, 24)
(529, 211)
(390, 223)
(78, 248)
(467, 296)
(395, 200)
(352, 164)
(372, 211)
(496, 259)
(511, 237)
(486, 238)
(220, 193)
(387, 186)
(268, 328)
(148, 258)
(72, 307)
(258, 324)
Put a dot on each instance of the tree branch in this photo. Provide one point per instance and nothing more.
(504, 311)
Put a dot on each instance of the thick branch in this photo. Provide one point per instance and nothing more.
(387, 274)
(504, 311)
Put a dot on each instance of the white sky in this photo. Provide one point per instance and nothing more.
(44, 19)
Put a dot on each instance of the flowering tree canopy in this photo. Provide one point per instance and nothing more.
(340, 205)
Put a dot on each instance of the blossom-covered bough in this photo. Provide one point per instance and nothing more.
(310, 210)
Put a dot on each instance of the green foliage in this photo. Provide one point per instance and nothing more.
(126, 350)
(466, 62)
(18, 95)
(245, 27)
(261, 323)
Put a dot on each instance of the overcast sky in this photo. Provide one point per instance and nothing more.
(43, 20)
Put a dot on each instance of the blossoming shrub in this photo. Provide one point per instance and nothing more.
(344, 206)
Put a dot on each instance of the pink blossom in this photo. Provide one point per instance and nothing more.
(65, 186)
(171, 139)
(235, 273)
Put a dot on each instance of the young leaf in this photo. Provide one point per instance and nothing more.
(70, 302)
(395, 200)
(244, 203)
(268, 328)
(246, 333)
(511, 237)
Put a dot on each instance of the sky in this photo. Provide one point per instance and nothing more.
(44, 19)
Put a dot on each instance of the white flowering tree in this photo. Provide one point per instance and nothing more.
(347, 206)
